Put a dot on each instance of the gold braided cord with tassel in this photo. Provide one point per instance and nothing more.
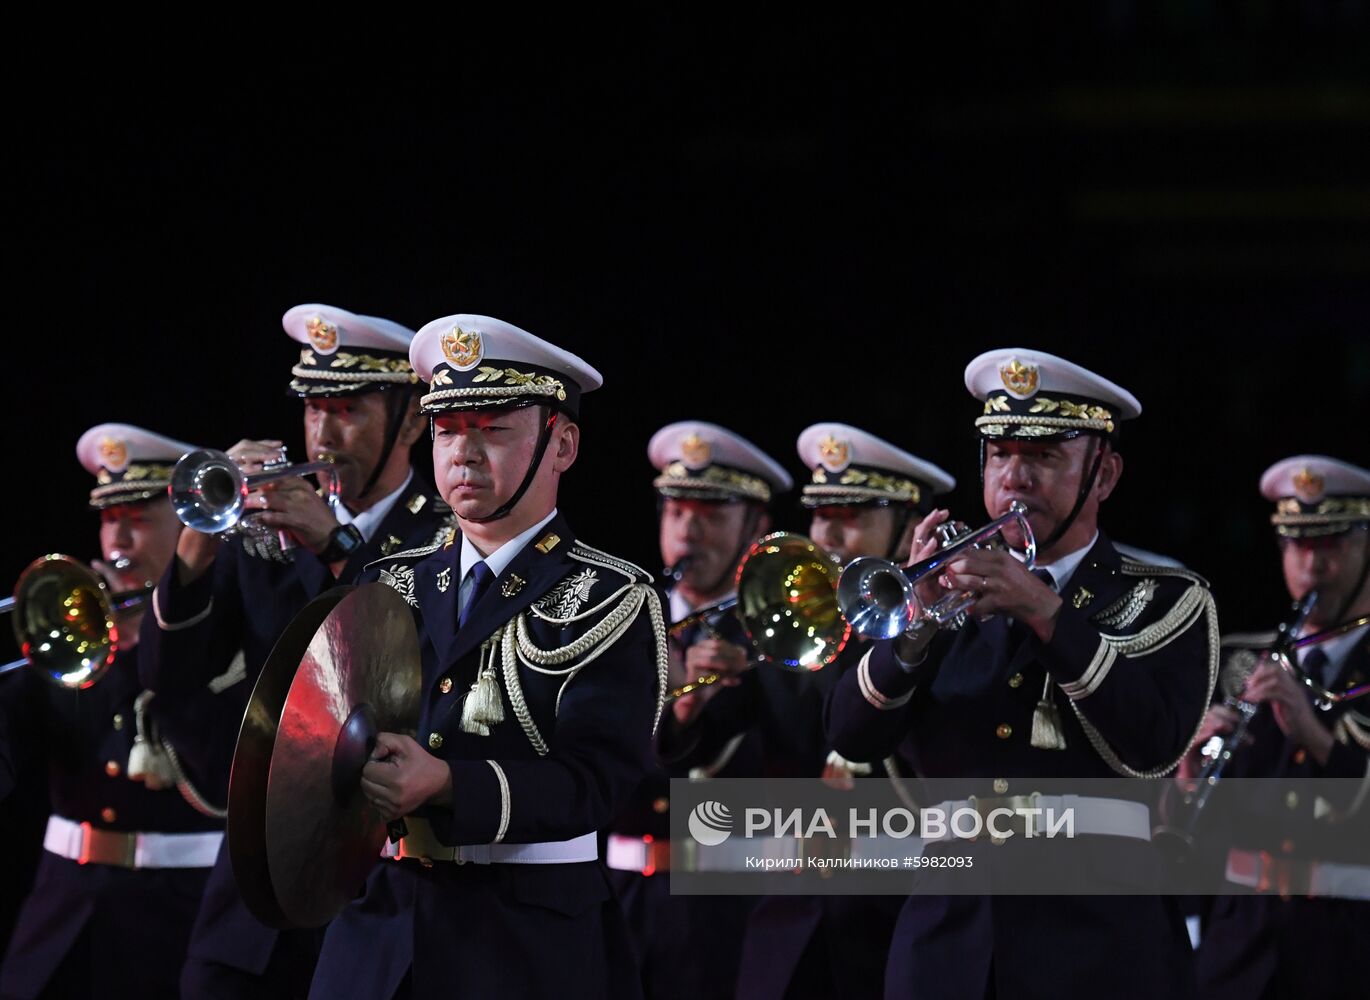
(1047, 733)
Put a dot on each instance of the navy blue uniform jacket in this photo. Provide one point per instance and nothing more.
(554, 772)
(1143, 641)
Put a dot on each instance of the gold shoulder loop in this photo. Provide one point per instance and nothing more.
(1197, 602)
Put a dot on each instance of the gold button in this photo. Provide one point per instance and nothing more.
(108, 815)
(661, 805)
(1000, 786)
(445, 685)
(1287, 847)
(1300, 755)
(1015, 681)
(997, 841)
(1292, 800)
(118, 722)
(112, 768)
(1004, 731)
(434, 741)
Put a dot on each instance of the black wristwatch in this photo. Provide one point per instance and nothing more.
(345, 540)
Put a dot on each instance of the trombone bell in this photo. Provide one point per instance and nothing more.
(786, 593)
(64, 621)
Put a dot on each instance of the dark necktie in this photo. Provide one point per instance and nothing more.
(481, 579)
(1317, 666)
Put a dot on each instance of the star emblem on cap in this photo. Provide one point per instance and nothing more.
(1019, 378)
(695, 452)
(834, 455)
(113, 454)
(322, 334)
(1308, 485)
(462, 348)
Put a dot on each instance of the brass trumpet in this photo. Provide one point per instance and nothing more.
(879, 598)
(65, 620)
(787, 603)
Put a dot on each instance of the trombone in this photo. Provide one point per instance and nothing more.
(209, 492)
(65, 620)
(879, 597)
(1323, 697)
(787, 603)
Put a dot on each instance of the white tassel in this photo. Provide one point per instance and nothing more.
(1046, 722)
(483, 707)
(147, 761)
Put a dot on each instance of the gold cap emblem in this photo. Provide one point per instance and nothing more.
(1308, 485)
(695, 452)
(1019, 378)
(113, 454)
(462, 348)
(834, 455)
(322, 334)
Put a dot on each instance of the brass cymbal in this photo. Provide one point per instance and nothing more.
(310, 837)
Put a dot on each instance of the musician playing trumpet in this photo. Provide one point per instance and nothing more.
(221, 606)
(1281, 909)
(1090, 665)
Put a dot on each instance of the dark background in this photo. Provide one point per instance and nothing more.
(765, 223)
(748, 218)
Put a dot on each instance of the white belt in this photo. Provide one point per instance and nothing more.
(646, 855)
(1297, 877)
(420, 844)
(91, 845)
(1094, 816)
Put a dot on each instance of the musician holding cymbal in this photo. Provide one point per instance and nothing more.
(1090, 666)
(1291, 925)
(126, 854)
(221, 599)
(543, 672)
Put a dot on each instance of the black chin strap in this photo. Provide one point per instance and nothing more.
(395, 406)
(1086, 487)
(544, 436)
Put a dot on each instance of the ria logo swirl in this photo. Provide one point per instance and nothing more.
(710, 823)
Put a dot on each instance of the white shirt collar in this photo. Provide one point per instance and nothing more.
(500, 559)
(1064, 568)
(370, 519)
(681, 608)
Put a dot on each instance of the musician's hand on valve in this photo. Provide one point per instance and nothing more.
(401, 776)
(1271, 683)
(925, 544)
(709, 656)
(1219, 720)
(294, 505)
(1004, 586)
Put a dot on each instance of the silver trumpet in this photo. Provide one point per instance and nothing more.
(209, 492)
(880, 600)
